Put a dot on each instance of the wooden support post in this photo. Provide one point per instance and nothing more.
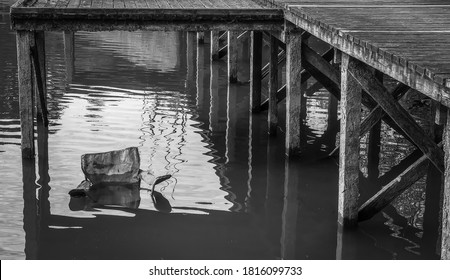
(214, 45)
(255, 70)
(273, 86)
(434, 187)
(445, 239)
(201, 37)
(232, 56)
(294, 90)
(349, 147)
(26, 40)
(69, 55)
(373, 149)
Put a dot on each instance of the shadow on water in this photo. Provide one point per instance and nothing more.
(237, 196)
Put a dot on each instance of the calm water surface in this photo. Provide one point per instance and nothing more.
(234, 195)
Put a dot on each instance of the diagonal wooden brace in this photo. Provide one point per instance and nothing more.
(40, 85)
(396, 187)
(377, 113)
(305, 75)
(363, 74)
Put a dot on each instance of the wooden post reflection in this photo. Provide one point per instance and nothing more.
(200, 73)
(255, 70)
(231, 122)
(30, 210)
(69, 55)
(44, 177)
(191, 46)
(290, 210)
(214, 97)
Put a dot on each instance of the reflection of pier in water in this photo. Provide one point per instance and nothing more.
(271, 204)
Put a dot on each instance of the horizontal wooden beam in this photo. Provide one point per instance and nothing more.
(399, 115)
(88, 24)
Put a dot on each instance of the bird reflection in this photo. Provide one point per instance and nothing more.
(161, 203)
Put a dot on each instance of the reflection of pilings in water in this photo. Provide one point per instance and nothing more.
(274, 187)
(290, 210)
(231, 123)
(256, 185)
(200, 71)
(30, 211)
(214, 97)
(69, 55)
(44, 177)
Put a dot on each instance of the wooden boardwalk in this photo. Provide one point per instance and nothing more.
(130, 15)
(407, 40)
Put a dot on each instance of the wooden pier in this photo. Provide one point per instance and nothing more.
(406, 40)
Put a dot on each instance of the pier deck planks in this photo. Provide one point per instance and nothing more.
(406, 39)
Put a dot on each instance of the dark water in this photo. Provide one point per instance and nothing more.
(234, 194)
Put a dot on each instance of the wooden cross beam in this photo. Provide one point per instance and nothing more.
(396, 187)
(377, 113)
(305, 75)
(363, 74)
(40, 84)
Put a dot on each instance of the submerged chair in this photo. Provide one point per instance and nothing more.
(112, 178)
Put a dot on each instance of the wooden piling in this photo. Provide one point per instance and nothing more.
(201, 37)
(273, 86)
(349, 147)
(445, 241)
(232, 56)
(26, 40)
(255, 70)
(294, 90)
(69, 55)
(214, 45)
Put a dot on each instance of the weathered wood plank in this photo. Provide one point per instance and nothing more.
(232, 56)
(255, 70)
(273, 87)
(399, 115)
(349, 147)
(25, 40)
(294, 91)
